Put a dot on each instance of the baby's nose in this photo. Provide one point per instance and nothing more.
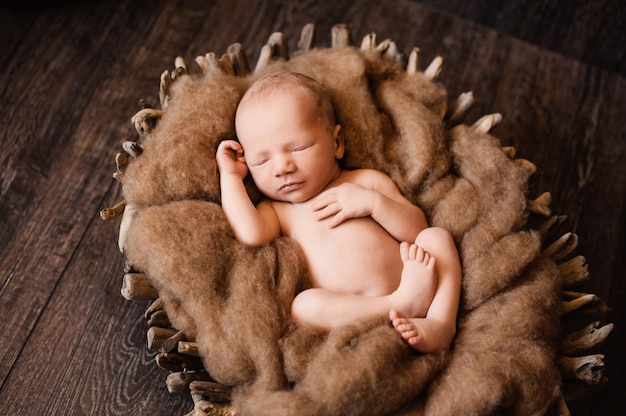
(283, 165)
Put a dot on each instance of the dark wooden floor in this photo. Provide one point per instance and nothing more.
(72, 74)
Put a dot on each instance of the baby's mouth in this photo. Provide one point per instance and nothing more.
(289, 187)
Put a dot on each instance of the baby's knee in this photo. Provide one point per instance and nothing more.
(434, 237)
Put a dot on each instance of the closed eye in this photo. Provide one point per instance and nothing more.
(259, 162)
(301, 147)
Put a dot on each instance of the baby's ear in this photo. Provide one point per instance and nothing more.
(340, 141)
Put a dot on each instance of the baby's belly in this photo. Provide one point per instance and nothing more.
(358, 257)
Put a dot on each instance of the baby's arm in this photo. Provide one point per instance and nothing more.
(254, 226)
(372, 193)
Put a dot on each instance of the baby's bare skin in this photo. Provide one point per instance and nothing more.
(349, 223)
(359, 257)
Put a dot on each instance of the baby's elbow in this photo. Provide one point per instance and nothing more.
(252, 239)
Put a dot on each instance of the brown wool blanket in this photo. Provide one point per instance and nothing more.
(234, 301)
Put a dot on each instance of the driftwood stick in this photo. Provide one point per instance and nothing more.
(180, 68)
(412, 65)
(368, 43)
(144, 122)
(577, 303)
(530, 168)
(279, 44)
(227, 65)
(209, 63)
(238, 58)
(484, 124)
(460, 107)
(188, 348)
(392, 53)
(171, 343)
(173, 362)
(113, 212)
(307, 38)
(178, 383)
(585, 339)
(136, 286)
(433, 70)
(509, 151)
(159, 318)
(589, 369)
(593, 311)
(134, 149)
(340, 36)
(541, 204)
(154, 307)
(157, 336)
(211, 389)
(538, 208)
(121, 161)
(562, 247)
(164, 89)
(574, 272)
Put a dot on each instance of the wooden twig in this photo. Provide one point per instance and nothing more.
(589, 369)
(562, 247)
(144, 121)
(540, 205)
(435, 67)
(238, 59)
(585, 339)
(159, 318)
(175, 362)
(188, 348)
(136, 286)
(113, 212)
(340, 36)
(211, 389)
(412, 66)
(156, 336)
(171, 344)
(579, 302)
(307, 38)
(529, 167)
(460, 107)
(484, 124)
(178, 383)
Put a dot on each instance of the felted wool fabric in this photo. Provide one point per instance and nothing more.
(234, 301)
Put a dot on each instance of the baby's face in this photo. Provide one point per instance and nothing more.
(291, 155)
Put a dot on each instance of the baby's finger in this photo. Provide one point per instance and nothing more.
(327, 211)
(323, 200)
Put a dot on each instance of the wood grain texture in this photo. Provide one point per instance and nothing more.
(72, 75)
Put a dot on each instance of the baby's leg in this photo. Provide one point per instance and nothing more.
(328, 309)
(435, 332)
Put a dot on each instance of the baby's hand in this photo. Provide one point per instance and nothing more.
(344, 202)
(230, 158)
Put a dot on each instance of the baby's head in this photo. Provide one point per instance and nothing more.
(286, 124)
(295, 84)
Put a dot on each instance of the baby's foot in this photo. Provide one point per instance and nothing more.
(418, 282)
(406, 327)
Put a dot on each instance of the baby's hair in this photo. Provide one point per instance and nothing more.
(300, 83)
